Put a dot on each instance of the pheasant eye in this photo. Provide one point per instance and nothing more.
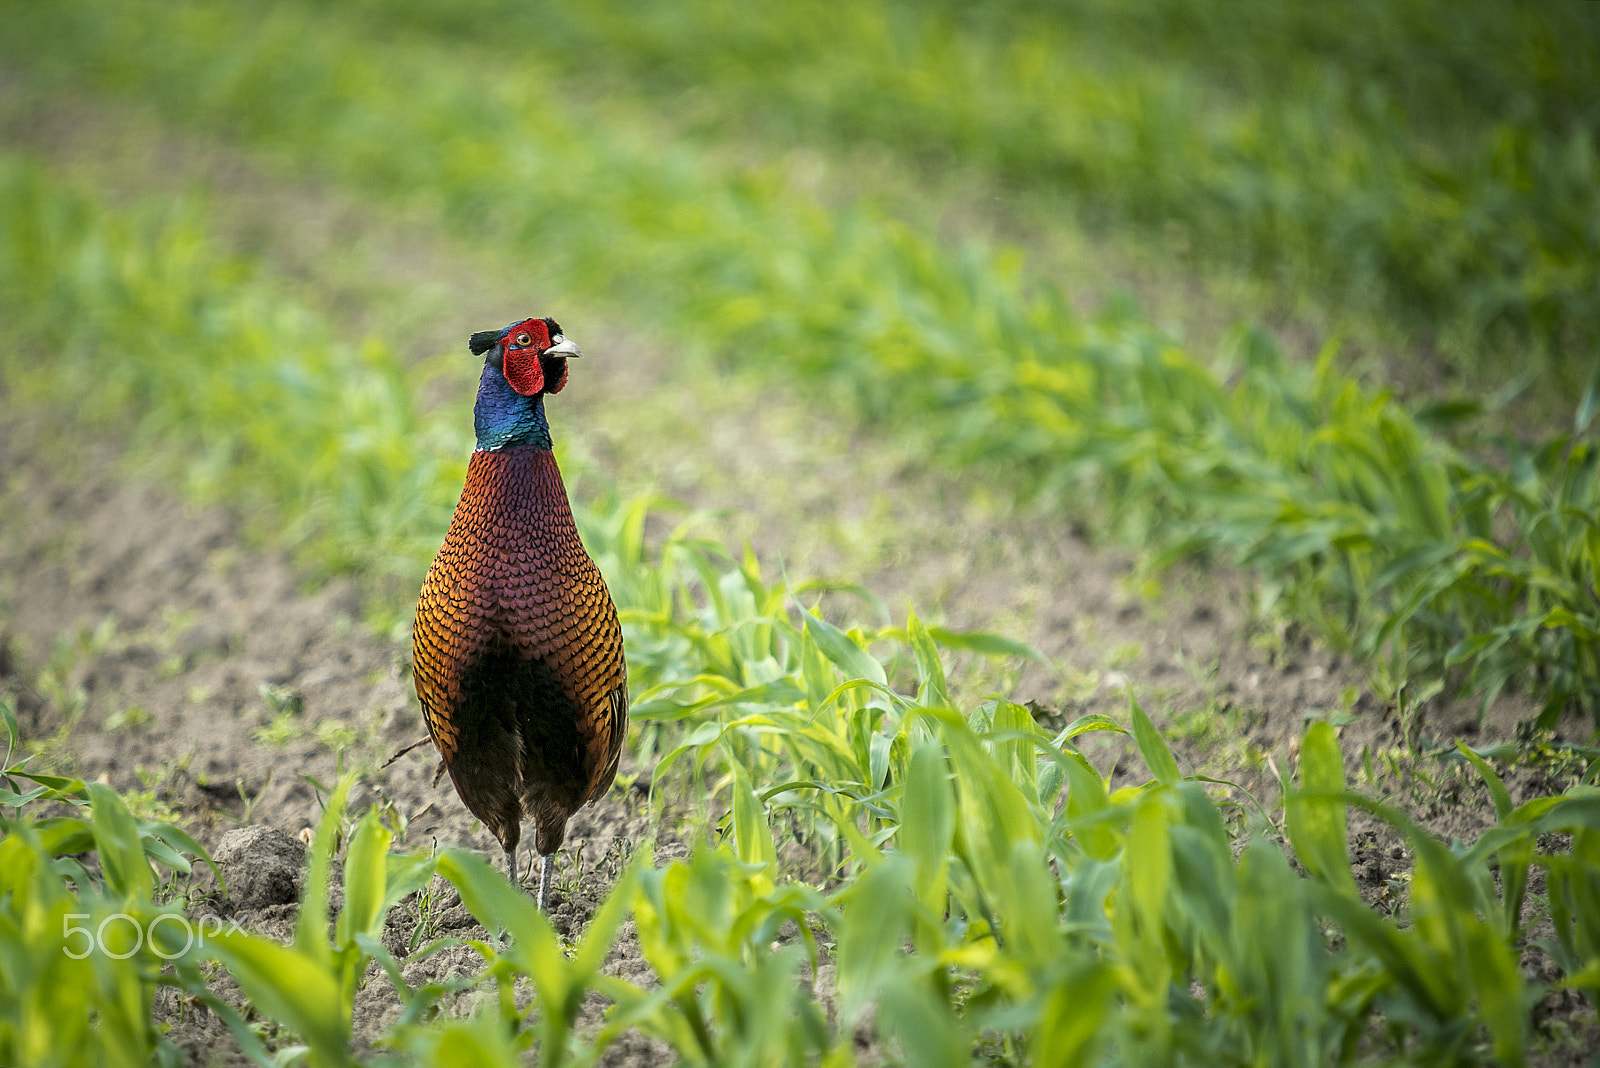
(523, 339)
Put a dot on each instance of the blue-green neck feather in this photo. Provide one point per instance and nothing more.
(505, 417)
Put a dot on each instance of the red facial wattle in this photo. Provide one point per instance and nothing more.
(524, 343)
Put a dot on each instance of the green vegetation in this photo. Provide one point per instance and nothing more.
(1438, 167)
(61, 1001)
(992, 894)
(1418, 555)
(969, 879)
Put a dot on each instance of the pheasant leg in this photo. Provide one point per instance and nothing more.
(547, 864)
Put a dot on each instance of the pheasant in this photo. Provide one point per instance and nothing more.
(517, 648)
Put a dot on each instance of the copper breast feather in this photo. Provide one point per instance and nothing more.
(518, 652)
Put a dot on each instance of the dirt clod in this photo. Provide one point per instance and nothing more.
(262, 865)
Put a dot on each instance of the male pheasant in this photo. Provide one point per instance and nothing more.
(518, 652)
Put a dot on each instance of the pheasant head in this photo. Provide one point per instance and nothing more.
(521, 364)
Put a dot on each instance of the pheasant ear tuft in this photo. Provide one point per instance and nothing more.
(484, 340)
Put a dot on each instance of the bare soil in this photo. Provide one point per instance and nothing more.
(161, 650)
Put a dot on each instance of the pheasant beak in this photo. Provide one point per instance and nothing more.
(561, 345)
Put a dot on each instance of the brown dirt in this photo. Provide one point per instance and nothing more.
(211, 639)
(149, 604)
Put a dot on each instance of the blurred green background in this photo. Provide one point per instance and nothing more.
(1311, 287)
(1421, 174)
